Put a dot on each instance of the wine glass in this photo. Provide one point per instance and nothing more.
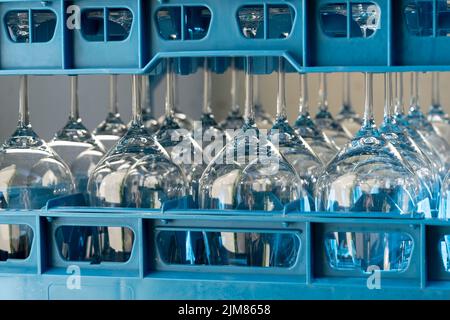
(296, 150)
(428, 197)
(262, 118)
(438, 118)
(150, 123)
(75, 144)
(115, 180)
(249, 174)
(368, 175)
(418, 120)
(347, 117)
(178, 141)
(109, 131)
(324, 119)
(212, 137)
(306, 128)
(31, 173)
(403, 123)
(234, 120)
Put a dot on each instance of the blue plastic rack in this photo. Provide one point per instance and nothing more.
(407, 35)
(146, 275)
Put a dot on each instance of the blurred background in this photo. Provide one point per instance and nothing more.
(49, 97)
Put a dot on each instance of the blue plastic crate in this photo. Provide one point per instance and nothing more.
(407, 35)
(147, 275)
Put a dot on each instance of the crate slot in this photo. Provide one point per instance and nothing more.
(168, 21)
(365, 251)
(94, 244)
(228, 248)
(16, 241)
(197, 22)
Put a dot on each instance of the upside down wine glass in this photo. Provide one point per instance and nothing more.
(429, 191)
(438, 118)
(31, 173)
(249, 174)
(368, 175)
(347, 117)
(306, 128)
(177, 141)
(403, 123)
(137, 172)
(296, 150)
(418, 120)
(109, 131)
(75, 144)
(325, 120)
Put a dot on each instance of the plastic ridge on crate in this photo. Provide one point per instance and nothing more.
(133, 36)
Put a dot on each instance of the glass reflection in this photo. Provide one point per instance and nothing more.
(245, 249)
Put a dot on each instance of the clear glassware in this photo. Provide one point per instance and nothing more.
(306, 128)
(109, 131)
(418, 120)
(437, 116)
(31, 173)
(296, 150)
(262, 118)
(109, 182)
(403, 123)
(429, 192)
(368, 176)
(349, 120)
(249, 174)
(75, 144)
(324, 119)
(244, 176)
(212, 137)
(150, 122)
(177, 141)
(234, 120)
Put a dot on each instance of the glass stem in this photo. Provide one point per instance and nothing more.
(169, 106)
(388, 97)
(136, 105)
(303, 106)
(24, 115)
(249, 114)
(74, 103)
(323, 92)
(435, 99)
(346, 91)
(398, 87)
(368, 106)
(145, 94)
(256, 91)
(206, 88)
(113, 102)
(414, 103)
(234, 86)
(281, 97)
